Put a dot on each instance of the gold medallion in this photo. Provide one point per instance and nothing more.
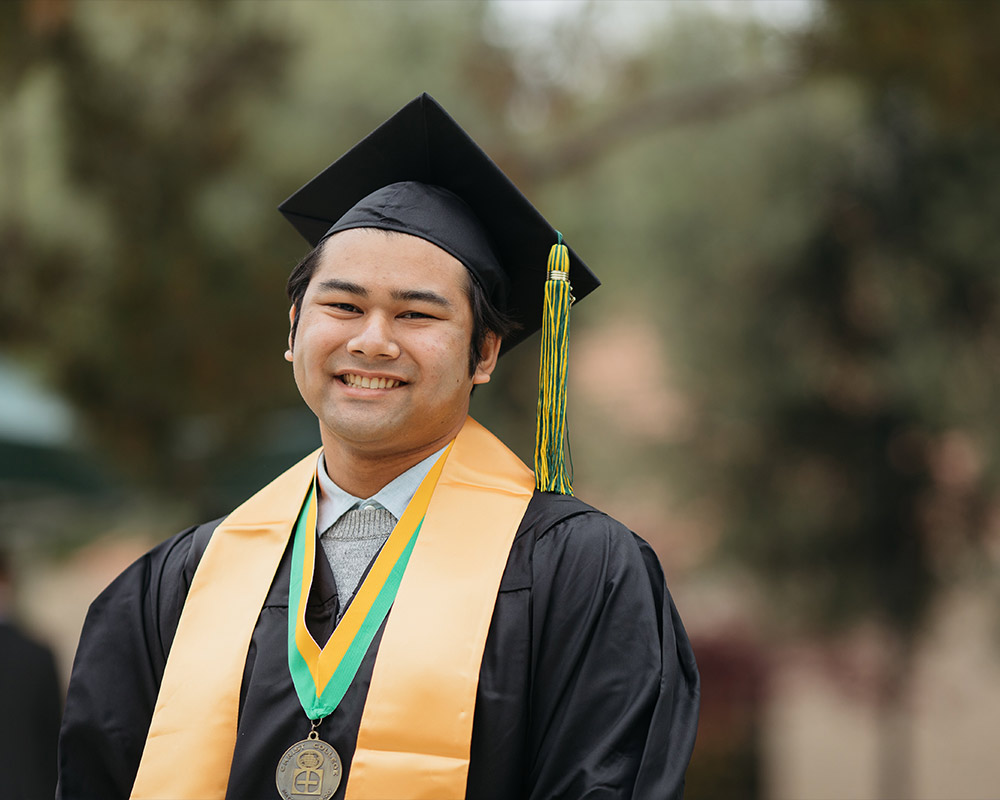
(309, 770)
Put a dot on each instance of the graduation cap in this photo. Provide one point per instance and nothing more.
(420, 173)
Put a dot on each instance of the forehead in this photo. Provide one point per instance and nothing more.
(375, 258)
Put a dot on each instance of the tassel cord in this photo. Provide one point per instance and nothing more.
(551, 474)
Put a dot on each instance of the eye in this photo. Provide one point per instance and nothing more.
(416, 315)
(345, 307)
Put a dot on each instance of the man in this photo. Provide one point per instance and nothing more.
(30, 698)
(532, 650)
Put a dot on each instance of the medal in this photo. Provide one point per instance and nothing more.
(309, 770)
(312, 769)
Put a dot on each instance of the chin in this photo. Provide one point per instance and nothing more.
(370, 429)
(373, 433)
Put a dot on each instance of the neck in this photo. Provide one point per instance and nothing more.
(362, 471)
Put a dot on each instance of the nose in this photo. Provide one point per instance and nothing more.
(374, 338)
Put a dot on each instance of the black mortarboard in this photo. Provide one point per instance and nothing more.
(504, 241)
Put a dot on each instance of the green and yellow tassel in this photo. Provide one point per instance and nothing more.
(551, 474)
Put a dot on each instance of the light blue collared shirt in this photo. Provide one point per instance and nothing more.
(394, 497)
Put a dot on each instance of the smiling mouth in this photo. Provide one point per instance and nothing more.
(365, 382)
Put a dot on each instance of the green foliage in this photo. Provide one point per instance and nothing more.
(146, 147)
(122, 286)
(849, 428)
(941, 54)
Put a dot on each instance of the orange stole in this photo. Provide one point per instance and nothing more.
(416, 728)
(193, 730)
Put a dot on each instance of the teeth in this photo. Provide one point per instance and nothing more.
(366, 382)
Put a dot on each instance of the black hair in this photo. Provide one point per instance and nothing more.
(299, 279)
(486, 317)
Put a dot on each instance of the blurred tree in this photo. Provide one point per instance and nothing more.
(146, 319)
(143, 269)
(851, 423)
(144, 266)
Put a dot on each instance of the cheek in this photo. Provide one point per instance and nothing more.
(457, 377)
(317, 336)
(299, 374)
(448, 358)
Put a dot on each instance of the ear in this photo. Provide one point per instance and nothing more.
(291, 327)
(488, 362)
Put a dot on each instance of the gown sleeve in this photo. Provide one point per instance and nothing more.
(614, 700)
(117, 670)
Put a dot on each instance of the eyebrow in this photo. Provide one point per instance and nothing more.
(335, 285)
(422, 295)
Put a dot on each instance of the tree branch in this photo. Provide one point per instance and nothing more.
(650, 114)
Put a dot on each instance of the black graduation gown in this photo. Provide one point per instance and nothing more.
(588, 686)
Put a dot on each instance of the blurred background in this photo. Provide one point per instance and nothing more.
(787, 384)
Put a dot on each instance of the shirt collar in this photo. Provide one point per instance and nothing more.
(394, 497)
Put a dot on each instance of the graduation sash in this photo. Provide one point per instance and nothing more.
(416, 728)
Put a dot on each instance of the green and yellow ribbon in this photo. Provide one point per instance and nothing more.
(322, 675)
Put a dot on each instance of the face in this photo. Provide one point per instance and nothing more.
(382, 344)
